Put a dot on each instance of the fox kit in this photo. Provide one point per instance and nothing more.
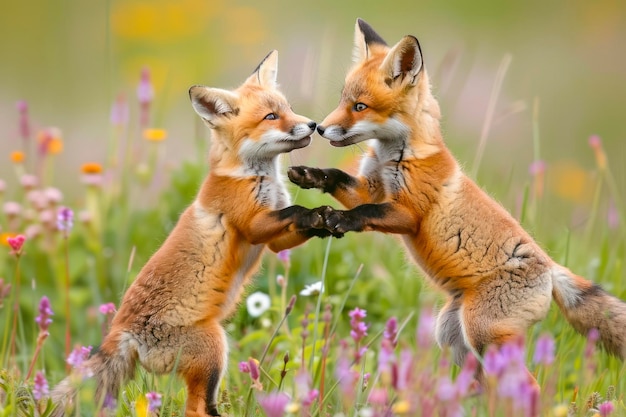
(498, 281)
(169, 319)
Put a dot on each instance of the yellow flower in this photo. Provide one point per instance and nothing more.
(155, 135)
(560, 411)
(141, 406)
(91, 168)
(401, 407)
(292, 408)
(17, 157)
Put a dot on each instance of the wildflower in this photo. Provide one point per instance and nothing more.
(596, 145)
(91, 168)
(612, 216)
(92, 173)
(11, 208)
(280, 280)
(284, 256)
(244, 367)
(45, 311)
(3, 186)
(50, 141)
(29, 181)
(606, 408)
(16, 244)
(291, 304)
(359, 328)
(17, 157)
(154, 400)
(391, 331)
(313, 289)
(401, 407)
(537, 170)
(78, 357)
(273, 403)
(544, 350)
(107, 308)
(53, 195)
(258, 303)
(65, 219)
(426, 329)
(560, 410)
(466, 377)
(40, 388)
(119, 111)
(155, 135)
(255, 374)
(592, 338)
(145, 94)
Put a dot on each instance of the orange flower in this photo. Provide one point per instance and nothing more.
(4, 238)
(17, 157)
(55, 146)
(50, 141)
(91, 168)
(155, 135)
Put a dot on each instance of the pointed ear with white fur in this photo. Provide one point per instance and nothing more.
(266, 73)
(212, 103)
(364, 37)
(404, 61)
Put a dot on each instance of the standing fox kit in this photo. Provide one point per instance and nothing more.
(498, 281)
(169, 319)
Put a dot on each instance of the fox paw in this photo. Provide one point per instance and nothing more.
(307, 177)
(339, 222)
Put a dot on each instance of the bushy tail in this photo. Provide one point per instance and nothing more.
(110, 372)
(587, 306)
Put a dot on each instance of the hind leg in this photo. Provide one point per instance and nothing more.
(449, 331)
(202, 365)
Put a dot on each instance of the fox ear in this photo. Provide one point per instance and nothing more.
(404, 60)
(212, 103)
(364, 37)
(265, 74)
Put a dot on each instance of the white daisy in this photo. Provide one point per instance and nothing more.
(313, 289)
(258, 303)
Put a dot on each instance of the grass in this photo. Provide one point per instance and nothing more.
(361, 347)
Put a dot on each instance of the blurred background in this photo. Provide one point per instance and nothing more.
(562, 65)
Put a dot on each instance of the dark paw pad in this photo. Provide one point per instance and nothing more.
(306, 177)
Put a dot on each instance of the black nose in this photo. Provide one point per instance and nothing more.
(320, 129)
(312, 125)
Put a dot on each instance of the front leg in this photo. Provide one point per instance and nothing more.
(386, 218)
(286, 228)
(348, 190)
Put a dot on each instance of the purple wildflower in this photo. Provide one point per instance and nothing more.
(391, 331)
(466, 377)
(606, 408)
(40, 388)
(78, 356)
(544, 350)
(154, 400)
(426, 329)
(145, 94)
(592, 338)
(359, 328)
(284, 256)
(244, 367)
(65, 219)
(45, 311)
(537, 168)
(273, 403)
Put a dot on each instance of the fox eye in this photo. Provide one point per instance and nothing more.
(359, 106)
(271, 116)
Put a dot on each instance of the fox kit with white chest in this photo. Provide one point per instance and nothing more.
(170, 317)
(498, 281)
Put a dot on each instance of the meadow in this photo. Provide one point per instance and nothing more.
(335, 327)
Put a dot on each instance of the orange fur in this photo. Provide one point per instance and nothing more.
(497, 279)
(169, 319)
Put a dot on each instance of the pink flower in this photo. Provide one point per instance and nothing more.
(65, 219)
(22, 108)
(40, 388)
(145, 91)
(154, 400)
(78, 357)
(244, 367)
(45, 311)
(606, 408)
(273, 403)
(16, 244)
(544, 350)
(119, 111)
(284, 256)
(426, 329)
(107, 308)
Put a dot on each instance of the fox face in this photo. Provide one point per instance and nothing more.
(380, 92)
(254, 122)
